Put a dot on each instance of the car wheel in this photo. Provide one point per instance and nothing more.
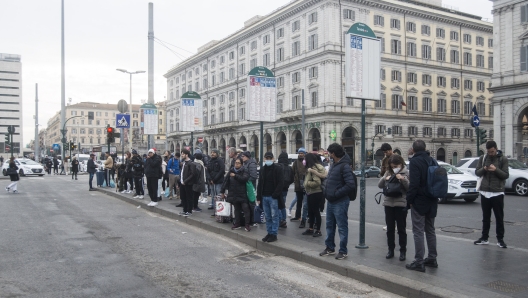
(4, 172)
(521, 187)
(470, 200)
(379, 175)
(21, 173)
(366, 175)
(442, 200)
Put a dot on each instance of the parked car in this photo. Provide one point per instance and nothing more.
(370, 171)
(25, 167)
(517, 182)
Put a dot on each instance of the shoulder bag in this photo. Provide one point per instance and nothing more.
(392, 188)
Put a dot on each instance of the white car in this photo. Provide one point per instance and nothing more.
(25, 167)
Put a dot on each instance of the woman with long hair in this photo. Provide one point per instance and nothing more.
(235, 184)
(312, 186)
(12, 171)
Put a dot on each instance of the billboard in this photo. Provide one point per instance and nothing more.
(191, 112)
(149, 119)
(262, 95)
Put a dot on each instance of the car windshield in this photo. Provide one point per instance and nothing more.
(515, 164)
(451, 170)
(28, 162)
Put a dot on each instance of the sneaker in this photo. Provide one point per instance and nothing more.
(341, 256)
(385, 228)
(283, 224)
(247, 228)
(136, 197)
(302, 225)
(236, 227)
(141, 197)
(181, 213)
(7, 189)
(308, 232)
(197, 210)
(500, 244)
(170, 198)
(323, 214)
(265, 239)
(430, 263)
(210, 208)
(91, 189)
(124, 191)
(255, 224)
(288, 212)
(150, 204)
(154, 204)
(317, 233)
(272, 238)
(129, 191)
(16, 191)
(481, 242)
(295, 219)
(186, 214)
(327, 252)
(415, 266)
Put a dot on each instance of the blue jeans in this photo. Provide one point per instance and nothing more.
(271, 211)
(337, 213)
(282, 212)
(215, 191)
(305, 209)
(91, 178)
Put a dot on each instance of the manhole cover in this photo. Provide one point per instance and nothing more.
(506, 287)
(457, 229)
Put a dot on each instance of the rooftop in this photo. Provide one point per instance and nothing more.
(9, 57)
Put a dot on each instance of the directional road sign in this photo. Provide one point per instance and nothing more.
(476, 120)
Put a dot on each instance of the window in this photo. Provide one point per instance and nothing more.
(382, 42)
(468, 85)
(412, 103)
(480, 60)
(481, 109)
(213, 119)
(222, 117)
(382, 103)
(241, 113)
(480, 41)
(440, 54)
(490, 43)
(252, 63)
(441, 132)
(231, 115)
(427, 104)
(280, 32)
(379, 129)
(426, 80)
(455, 83)
(411, 27)
(213, 100)
(490, 62)
(468, 133)
(280, 82)
(161, 121)
(382, 74)
(426, 52)
(349, 101)
(231, 55)
(454, 35)
(490, 135)
(411, 49)
(280, 55)
(280, 103)
(222, 98)
(481, 86)
(426, 30)
(197, 86)
(440, 33)
(413, 131)
(74, 113)
(524, 56)
(312, 72)
(455, 56)
(213, 64)
(468, 59)
(455, 107)
(296, 77)
(296, 102)
(242, 68)
(397, 130)
(468, 106)
(231, 95)
(197, 71)
(312, 18)
(349, 14)
(395, 47)
(397, 102)
(266, 39)
(395, 24)
(204, 83)
(183, 77)
(266, 59)
(296, 26)
(396, 76)
(442, 105)
(177, 94)
(314, 99)
(242, 93)
(253, 45)
(491, 110)
(189, 87)
(222, 59)
(213, 81)
(524, 13)
(296, 48)
(242, 50)
(441, 81)
(177, 80)
(379, 20)
(455, 132)
(412, 78)
(427, 132)
(467, 38)
(312, 42)
(74, 130)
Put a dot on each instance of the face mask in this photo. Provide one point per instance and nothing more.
(396, 171)
(304, 162)
(268, 162)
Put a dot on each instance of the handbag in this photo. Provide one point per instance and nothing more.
(258, 215)
(392, 189)
(479, 179)
(223, 208)
(250, 191)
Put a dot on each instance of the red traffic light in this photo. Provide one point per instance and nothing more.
(110, 129)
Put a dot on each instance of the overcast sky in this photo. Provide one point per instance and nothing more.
(102, 35)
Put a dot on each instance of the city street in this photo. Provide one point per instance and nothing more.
(59, 240)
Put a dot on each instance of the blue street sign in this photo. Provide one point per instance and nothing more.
(476, 120)
(55, 146)
(123, 121)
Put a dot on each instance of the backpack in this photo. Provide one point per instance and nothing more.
(199, 182)
(436, 180)
(287, 173)
(351, 195)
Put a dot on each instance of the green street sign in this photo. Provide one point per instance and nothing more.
(261, 71)
(333, 135)
(191, 94)
(361, 30)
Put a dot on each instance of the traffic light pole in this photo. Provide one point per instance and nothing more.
(478, 140)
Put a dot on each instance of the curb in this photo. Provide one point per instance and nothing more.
(389, 282)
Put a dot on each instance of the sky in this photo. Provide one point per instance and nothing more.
(103, 35)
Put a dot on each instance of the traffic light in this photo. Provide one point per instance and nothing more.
(110, 135)
(7, 139)
(72, 146)
(482, 136)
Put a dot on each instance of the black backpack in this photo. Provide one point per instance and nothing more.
(353, 194)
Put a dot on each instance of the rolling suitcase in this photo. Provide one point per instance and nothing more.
(100, 178)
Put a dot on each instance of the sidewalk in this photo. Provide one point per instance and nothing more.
(464, 268)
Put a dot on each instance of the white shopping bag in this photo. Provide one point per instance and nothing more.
(223, 208)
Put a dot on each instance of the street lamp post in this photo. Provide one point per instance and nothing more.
(130, 102)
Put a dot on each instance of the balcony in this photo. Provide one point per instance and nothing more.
(223, 127)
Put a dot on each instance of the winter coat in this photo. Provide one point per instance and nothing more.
(277, 182)
(13, 177)
(173, 166)
(286, 170)
(55, 163)
(137, 165)
(236, 186)
(493, 181)
(298, 174)
(75, 166)
(153, 167)
(399, 201)
(109, 163)
(340, 181)
(91, 167)
(199, 182)
(216, 170)
(251, 167)
(312, 182)
(417, 194)
(188, 172)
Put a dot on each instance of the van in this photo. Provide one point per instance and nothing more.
(292, 158)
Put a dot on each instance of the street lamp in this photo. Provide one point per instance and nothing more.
(130, 101)
(374, 137)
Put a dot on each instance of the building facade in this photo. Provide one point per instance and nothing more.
(435, 65)
(11, 102)
(510, 76)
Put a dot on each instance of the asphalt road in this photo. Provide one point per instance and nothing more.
(59, 240)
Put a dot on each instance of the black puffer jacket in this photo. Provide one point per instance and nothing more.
(216, 170)
(340, 181)
(236, 186)
(417, 194)
(153, 167)
(136, 164)
(287, 171)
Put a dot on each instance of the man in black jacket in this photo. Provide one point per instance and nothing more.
(423, 209)
(269, 192)
(153, 172)
(137, 170)
(187, 179)
(91, 169)
(215, 175)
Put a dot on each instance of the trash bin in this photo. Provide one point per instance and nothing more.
(100, 178)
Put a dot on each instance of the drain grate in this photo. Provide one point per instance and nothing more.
(506, 287)
(457, 229)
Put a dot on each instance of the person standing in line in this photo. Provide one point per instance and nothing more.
(49, 165)
(188, 176)
(153, 173)
(199, 183)
(13, 175)
(250, 164)
(75, 167)
(55, 166)
(165, 180)
(138, 170)
(108, 165)
(340, 183)
(494, 169)
(269, 192)
(173, 167)
(299, 171)
(215, 174)
(129, 174)
(314, 192)
(235, 184)
(423, 209)
(91, 168)
(161, 180)
(287, 173)
(387, 151)
(396, 205)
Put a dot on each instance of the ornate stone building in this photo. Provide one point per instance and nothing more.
(436, 64)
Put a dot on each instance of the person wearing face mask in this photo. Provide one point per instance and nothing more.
(235, 184)
(387, 151)
(314, 193)
(396, 205)
(299, 171)
(269, 192)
